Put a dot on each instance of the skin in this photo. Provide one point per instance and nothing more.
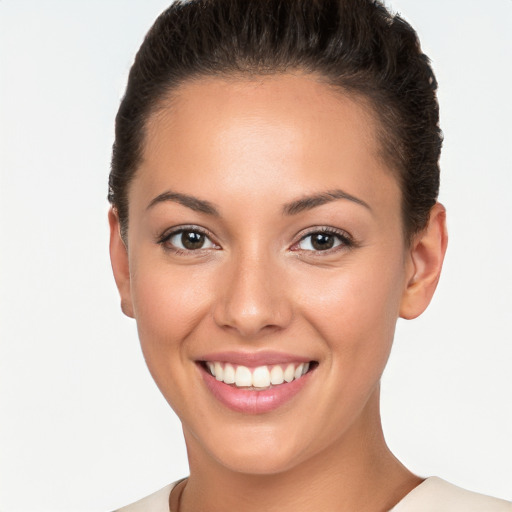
(250, 147)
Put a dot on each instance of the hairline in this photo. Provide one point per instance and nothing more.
(382, 136)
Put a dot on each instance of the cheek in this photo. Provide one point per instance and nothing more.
(168, 303)
(355, 309)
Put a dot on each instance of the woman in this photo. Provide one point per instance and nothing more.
(273, 188)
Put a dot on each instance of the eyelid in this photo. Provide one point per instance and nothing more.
(347, 241)
(175, 230)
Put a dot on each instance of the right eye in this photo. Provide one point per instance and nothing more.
(187, 240)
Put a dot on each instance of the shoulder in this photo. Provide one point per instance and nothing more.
(156, 502)
(441, 496)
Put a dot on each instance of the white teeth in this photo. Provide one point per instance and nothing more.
(219, 371)
(229, 374)
(243, 377)
(261, 377)
(276, 375)
(289, 373)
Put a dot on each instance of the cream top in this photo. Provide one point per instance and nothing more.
(433, 494)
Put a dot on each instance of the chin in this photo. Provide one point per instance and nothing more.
(257, 462)
(252, 449)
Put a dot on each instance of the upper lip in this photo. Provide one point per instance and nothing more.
(254, 359)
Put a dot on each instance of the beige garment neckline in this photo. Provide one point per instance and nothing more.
(433, 494)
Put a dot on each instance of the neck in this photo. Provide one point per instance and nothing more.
(357, 473)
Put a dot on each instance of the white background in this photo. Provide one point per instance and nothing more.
(82, 426)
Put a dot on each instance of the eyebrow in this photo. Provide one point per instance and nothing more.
(312, 201)
(194, 203)
(292, 208)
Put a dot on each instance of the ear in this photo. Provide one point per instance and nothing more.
(120, 265)
(426, 256)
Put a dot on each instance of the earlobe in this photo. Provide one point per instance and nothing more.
(426, 254)
(120, 263)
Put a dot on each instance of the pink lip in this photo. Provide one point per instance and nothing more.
(253, 359)
(250, 401)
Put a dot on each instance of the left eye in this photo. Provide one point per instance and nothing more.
(189, 240)
(321, 241)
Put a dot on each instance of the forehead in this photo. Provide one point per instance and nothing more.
(261, 135)
(296, 106)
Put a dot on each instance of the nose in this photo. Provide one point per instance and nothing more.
(253, 298)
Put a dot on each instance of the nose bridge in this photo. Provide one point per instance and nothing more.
(253, 297)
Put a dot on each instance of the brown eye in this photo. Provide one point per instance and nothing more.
(192, 240)
(188, 240)
(323, 241)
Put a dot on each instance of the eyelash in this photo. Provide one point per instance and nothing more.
(346, 241)
(168, 235)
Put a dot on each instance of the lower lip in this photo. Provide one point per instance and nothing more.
(252, 401)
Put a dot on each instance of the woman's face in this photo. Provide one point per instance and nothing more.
(264, 232)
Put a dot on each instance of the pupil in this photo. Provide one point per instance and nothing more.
(192, 239)
(322, 242)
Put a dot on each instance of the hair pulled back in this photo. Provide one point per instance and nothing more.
(356, 45)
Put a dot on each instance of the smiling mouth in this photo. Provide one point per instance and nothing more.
(258, 378)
